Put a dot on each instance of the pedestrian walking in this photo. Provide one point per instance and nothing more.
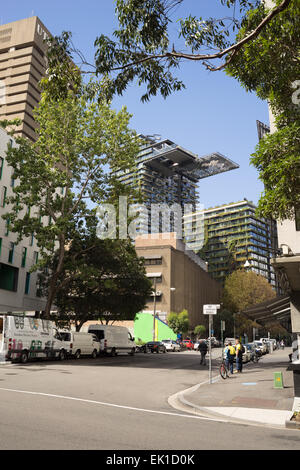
(203, 351)
(282, 344)
(229, 356)
(239, 355)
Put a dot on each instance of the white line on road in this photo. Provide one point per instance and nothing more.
(108, 404)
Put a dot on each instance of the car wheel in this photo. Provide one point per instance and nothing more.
(132, 352)
(24, 357)
(77, 354)
(62, 355)
(94, 354)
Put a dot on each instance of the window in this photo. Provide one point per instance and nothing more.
(7, 227)
(3, 196)
(31, 240)
(153, 261)
(11, 252)
(35, 257)
(297, 219)
(1, 166)
(24, 254)
(27, 283)
(8, 277)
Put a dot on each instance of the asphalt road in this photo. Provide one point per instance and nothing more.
(116, 403)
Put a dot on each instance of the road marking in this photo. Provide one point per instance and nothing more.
(63, 397)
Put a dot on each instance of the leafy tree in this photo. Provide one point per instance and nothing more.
(101, 280)
(179, 322)
(244, 289)
(275, 329)
(269, 65)
(143, 47)
(264, 57)
(200, 330)
(227, 316)
(79, 138)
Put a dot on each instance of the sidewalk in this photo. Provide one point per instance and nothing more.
(248, 397)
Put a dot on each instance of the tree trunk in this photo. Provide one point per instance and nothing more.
(53, 283)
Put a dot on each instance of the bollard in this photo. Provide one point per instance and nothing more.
(278, 380)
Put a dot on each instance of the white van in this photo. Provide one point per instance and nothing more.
(80, 344)
(113, 339)
(23, 338)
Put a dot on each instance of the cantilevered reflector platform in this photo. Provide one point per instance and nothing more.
(168, 159)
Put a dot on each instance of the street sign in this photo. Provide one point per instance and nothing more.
(210, 309)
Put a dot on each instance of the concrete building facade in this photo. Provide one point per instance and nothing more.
(18, 286)
(22, 65)
(182, 281)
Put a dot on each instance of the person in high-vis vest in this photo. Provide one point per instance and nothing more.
(229, 356)
(239, 355)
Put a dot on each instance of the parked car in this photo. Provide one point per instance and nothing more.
(171, 345)
(229, 340)
(257, 349)
(80, 344)
(181, 344)
(268, 342)
(155, 346)
(113, 339)
(255, 354)
(214, 342)
(188, 344)
(261, 346)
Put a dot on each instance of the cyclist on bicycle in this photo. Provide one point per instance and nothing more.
(229, 356)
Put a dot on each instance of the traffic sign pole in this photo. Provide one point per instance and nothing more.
(210, 309)
(210, 371)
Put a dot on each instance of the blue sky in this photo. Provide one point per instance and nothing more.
(214, 113)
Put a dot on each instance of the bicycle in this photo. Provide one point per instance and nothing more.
(223, 370)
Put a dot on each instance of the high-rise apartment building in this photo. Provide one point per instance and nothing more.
(168, 174)
(22, 65)
(234, 237)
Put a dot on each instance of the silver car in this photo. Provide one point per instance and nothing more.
(171, 345)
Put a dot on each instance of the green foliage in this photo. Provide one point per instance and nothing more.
(142, 48)
(270, 66)
(278, 160)
(101, 280)
(79, 141)
(227, 316)
(200, 331)
(244, 289)
(179, 322)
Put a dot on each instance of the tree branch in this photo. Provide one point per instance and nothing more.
(232, 49)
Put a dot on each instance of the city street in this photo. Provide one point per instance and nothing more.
(117, 403)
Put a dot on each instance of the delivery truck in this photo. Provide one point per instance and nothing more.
(23, 338)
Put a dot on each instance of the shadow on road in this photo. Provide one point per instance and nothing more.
(171, 361)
